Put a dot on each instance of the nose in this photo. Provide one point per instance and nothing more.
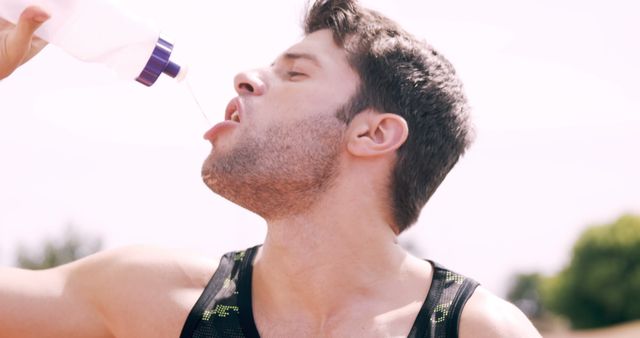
(249, 83)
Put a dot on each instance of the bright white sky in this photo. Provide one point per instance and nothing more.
(553, 84)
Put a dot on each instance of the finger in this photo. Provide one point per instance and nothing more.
(17, 41)
(37, 45)
(30, 20)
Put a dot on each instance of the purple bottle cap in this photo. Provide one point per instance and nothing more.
(159, 63)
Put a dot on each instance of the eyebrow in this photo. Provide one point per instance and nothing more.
(310, 57)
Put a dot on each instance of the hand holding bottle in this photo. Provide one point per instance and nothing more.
(17, 43)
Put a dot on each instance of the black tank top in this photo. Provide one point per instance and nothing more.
(224, 308)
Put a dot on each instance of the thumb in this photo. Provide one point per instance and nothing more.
(17, 41)
(30, 20)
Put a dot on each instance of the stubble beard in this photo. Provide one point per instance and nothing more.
(281, 172)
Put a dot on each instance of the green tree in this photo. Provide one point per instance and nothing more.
(71, 246)
(601, 284)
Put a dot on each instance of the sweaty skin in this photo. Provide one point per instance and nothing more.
(301, 287)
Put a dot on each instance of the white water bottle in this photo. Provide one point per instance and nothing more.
(100, 31)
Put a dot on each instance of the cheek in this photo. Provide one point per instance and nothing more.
(298, 101)
(331, 96)
(321, 102)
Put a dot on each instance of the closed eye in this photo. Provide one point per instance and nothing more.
(293, 74)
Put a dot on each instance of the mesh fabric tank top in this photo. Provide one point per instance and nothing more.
(224, 308)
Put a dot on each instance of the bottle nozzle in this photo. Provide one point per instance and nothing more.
(172, 69)
(176, 71)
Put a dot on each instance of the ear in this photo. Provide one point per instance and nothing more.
(375, 134)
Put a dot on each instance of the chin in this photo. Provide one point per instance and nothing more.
(206, 174)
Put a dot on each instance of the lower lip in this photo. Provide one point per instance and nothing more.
(212, 133)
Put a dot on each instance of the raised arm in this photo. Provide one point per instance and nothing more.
(127, 292)
(46, 303)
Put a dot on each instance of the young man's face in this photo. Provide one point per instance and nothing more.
(285, 148)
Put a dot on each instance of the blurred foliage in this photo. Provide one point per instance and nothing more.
(601, 284)
(525, 294)
(412, 246)
(53, 252)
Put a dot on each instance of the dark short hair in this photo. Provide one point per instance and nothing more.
(403, 75)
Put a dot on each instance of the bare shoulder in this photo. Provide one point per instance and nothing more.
(487, 316)
(140, 263)
(126, 283)
(98, 296)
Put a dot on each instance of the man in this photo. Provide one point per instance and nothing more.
(338, 144)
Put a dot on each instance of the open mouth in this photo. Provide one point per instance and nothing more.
(232, 113)
(235, 116)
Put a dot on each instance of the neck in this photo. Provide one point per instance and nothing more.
(329, 257)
